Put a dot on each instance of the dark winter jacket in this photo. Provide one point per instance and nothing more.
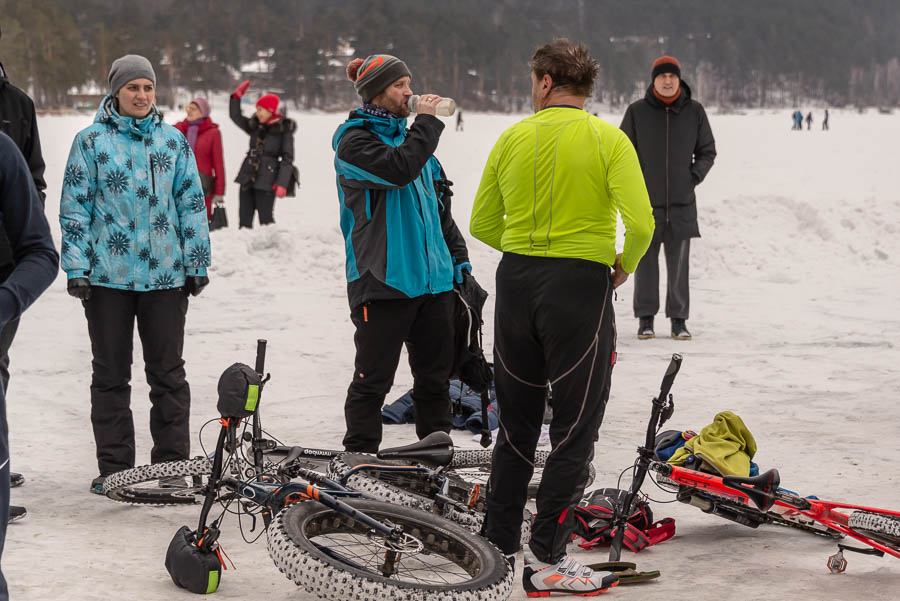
(270, 160)
(132, 212)
(17, 120)
(400, 237)
(676, 148)
(23, 222)
(208, 152)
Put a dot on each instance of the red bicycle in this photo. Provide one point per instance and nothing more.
(757, 495)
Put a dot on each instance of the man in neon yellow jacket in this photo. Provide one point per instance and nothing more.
(548, 200)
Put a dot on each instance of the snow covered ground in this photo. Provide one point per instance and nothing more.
(795, 320)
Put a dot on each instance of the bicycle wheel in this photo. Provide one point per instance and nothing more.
(141, 485)
(412, 489)
(334, 556)
(475, 466)
(882, 527)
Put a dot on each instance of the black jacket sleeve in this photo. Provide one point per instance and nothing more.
(628, 126)
(286, 166)
(456, 244)
(398, 165)
(705, 150)
(26, 227)
(32, 152)
(234, 111)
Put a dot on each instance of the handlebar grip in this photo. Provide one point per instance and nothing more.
(669, 378)
(261, 356)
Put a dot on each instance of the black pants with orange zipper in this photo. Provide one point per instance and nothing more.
(424, 325)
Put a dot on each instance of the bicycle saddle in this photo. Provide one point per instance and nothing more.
(436, 448)
(761, 489)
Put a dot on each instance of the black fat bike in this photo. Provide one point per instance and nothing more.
(335, 542)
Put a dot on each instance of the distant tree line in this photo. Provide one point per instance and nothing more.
(733, 53)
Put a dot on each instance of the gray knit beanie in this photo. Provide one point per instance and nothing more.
(128, 68)
(373, 75)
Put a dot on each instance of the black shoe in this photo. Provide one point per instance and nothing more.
(16, 513)
(679, 329)
(16, 479)
(645, 328)
(97, 485)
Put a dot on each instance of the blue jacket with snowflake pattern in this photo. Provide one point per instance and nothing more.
(132, 211)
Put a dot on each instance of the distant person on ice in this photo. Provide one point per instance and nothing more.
(403, 249)
(459, 120)
(548, 202)
(206, 141)
(825, 121)
(36, 260)
(135, 244)
(673, 139)
(809, 121)
(268, 167)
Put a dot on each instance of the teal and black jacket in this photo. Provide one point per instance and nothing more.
(399, 235)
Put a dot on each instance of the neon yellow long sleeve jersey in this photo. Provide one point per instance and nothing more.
(552, 186)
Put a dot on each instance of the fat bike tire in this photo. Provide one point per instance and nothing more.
(412, 489)
(883, 527)
(140, 485)
(474, 465)
(334, 556)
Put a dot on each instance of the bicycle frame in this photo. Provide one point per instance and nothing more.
(824, 512)
(760, 493)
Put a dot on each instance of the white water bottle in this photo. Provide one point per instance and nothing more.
(445, 108)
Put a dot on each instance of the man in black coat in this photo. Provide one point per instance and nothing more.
(36, 262)
(676, 148)
(17, 120)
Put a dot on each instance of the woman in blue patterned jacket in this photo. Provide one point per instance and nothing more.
(135, 243)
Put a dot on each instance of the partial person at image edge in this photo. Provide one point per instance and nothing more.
(19, 122)
(36, 261)
(675, 144)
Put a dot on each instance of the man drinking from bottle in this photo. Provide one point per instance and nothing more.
(403, 249)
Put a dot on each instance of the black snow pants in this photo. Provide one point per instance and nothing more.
(424, 324)
(553, 325)
(160, 315)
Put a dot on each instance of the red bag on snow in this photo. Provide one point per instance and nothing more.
(593, 521)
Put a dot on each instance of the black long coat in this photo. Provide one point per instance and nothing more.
(270, 160)
(676, 149)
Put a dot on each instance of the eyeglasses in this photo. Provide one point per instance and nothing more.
(190, 107)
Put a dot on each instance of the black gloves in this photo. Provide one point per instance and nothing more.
(80, 288)
(195, 284)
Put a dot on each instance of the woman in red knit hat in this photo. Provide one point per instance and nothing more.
(268, 169)
(205, 140)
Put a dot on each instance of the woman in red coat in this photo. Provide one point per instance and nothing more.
(205, 140)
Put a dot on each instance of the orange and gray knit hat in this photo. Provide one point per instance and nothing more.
(373, 75)
(665, 64)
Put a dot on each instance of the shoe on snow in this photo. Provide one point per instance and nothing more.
(16, 512)
(567, 576)
(679, 329)
(97, 485)
(645, 328)
(16, 479)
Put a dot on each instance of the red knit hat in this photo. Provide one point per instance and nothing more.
(269, 102)
(665, 64)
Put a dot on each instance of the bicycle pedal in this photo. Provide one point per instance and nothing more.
(836, 563)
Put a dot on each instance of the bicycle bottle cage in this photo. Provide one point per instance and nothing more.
(761, 489)
(436, 449)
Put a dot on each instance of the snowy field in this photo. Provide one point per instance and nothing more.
(795, 295)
